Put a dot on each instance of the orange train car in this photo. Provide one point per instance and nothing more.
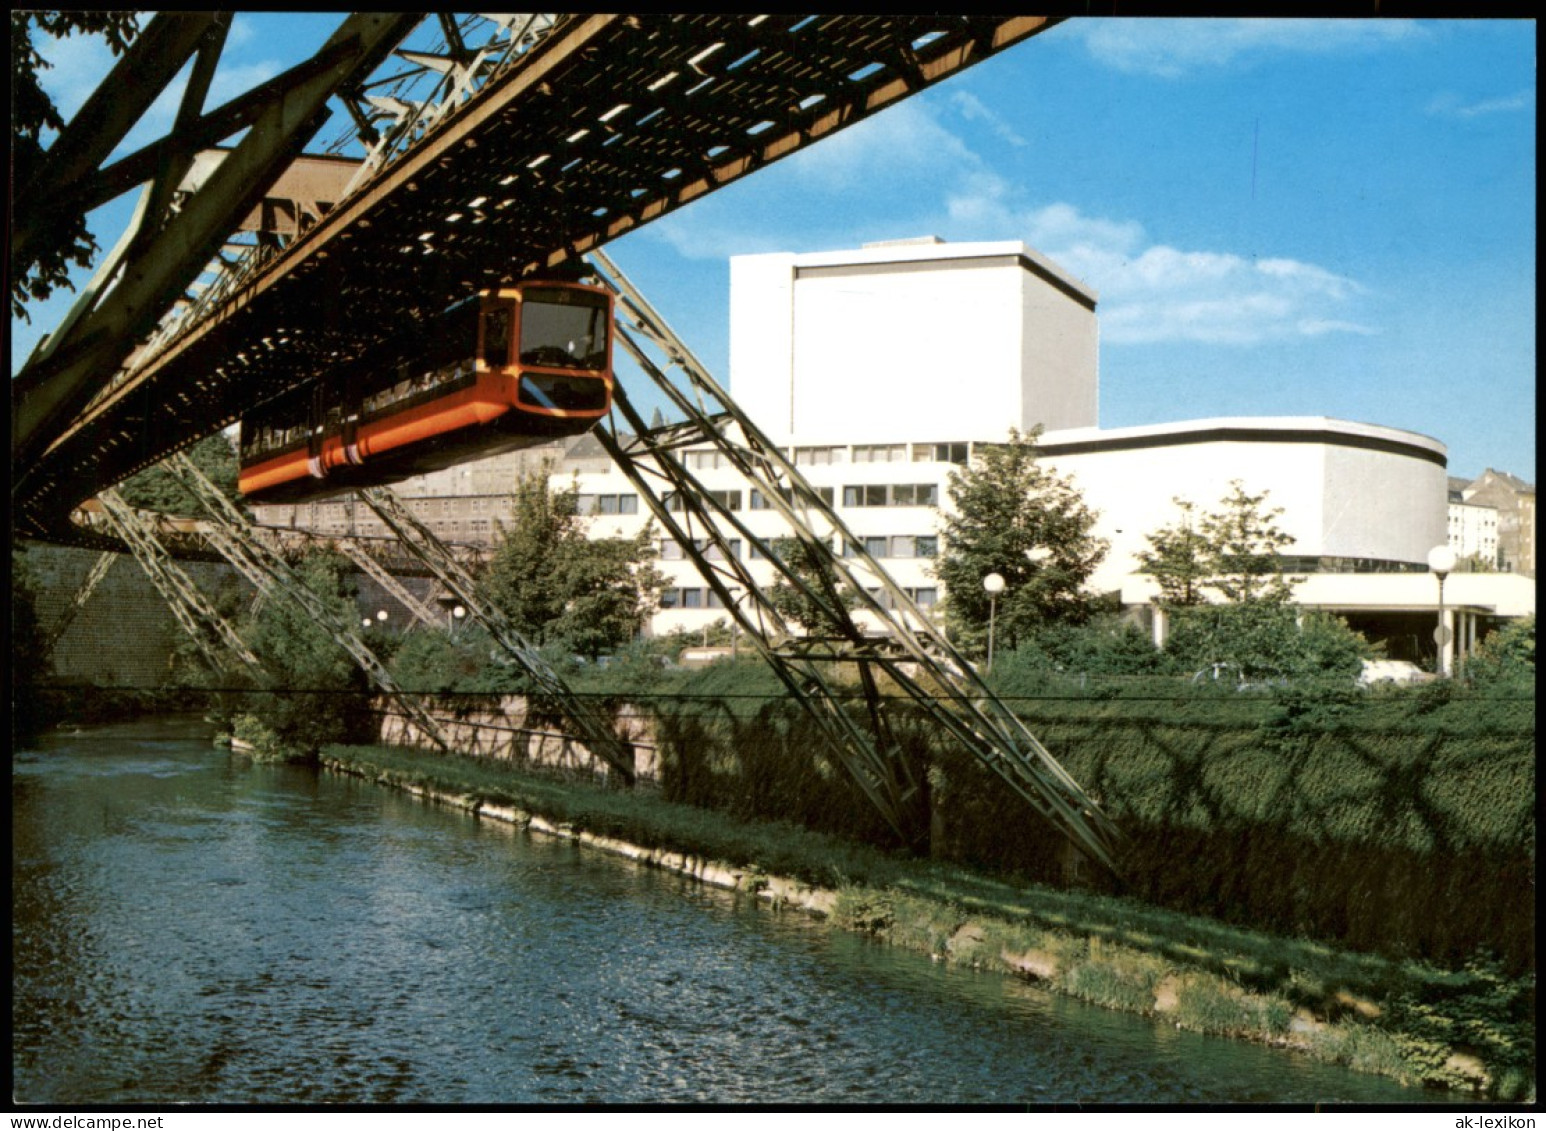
(506, 369)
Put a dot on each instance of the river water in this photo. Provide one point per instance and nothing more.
(191, 927)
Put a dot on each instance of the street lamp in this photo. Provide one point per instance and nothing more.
(457, 614)
(994, 585)
(1441, 559)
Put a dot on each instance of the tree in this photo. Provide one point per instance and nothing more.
(1012, 517)
(558, 586)
(156, 489)
(809, 564)
(1266, 640)
(66, 240)
(1245, 549)
(1178, 559)
(1505, 658)
(31, 662)
(1235, 550)
(316, 693)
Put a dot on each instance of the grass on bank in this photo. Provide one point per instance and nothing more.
(1470, 1029)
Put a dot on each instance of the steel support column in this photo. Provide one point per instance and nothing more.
(231, 534)
(911, 653)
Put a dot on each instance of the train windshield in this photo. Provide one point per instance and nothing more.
(566, 329)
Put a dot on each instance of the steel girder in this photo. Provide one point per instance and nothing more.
(170, 252)
(216, 640)
(236, 539)
(605, 124)
(105, 561)
(596, 733)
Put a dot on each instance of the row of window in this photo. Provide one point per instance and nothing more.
(925, 596)
(693, 597)
(877, 453)
(863, 495)
(877, 546)
(607, 504)
(702, 597)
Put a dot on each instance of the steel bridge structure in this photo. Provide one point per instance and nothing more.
(516, 145)
(580, 129)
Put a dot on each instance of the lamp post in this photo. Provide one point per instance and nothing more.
(456, 615)
(1441, 559)
(993, 584)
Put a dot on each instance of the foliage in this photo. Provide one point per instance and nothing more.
(809, 565)
(1505, 659)
(1245, 546)
(31, 662)
(436, 662)
(1265, 640)
(1012, 517)
(560, 587)
(315, 692)
(1177, 559)
(64, 239)
(156, 489)
(1235, 550)
(1104, 645)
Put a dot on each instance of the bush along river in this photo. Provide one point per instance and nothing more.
(191, 927)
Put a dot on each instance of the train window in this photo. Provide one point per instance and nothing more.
(496, 336)
(566, 329)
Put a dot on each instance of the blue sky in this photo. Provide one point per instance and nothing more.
(1281, 217)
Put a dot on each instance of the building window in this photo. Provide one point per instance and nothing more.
(880, 453)
(891, 495)
(941, 453)
(760, 502)
(807, 457)
(705, 461)
(606, 504)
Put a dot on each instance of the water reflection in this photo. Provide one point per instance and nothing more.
(188, 927)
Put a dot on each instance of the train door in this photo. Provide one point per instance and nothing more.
(315, 428)
(352, 408)
(495, 335)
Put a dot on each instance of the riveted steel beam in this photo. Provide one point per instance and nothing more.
(171, 259)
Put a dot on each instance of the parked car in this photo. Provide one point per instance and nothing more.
(1392, 671)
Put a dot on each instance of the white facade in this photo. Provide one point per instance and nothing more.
(916, 341)
(1473, 530)
(880, 369)
(1367, 497)
(1355, 497)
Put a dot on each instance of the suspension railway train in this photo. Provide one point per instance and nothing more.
(501, 370)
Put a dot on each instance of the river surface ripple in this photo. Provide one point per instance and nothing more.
(190, 927)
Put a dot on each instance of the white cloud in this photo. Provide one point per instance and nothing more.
(973, 109)
(1450, 105)
(1170, 48)
(904, 141)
